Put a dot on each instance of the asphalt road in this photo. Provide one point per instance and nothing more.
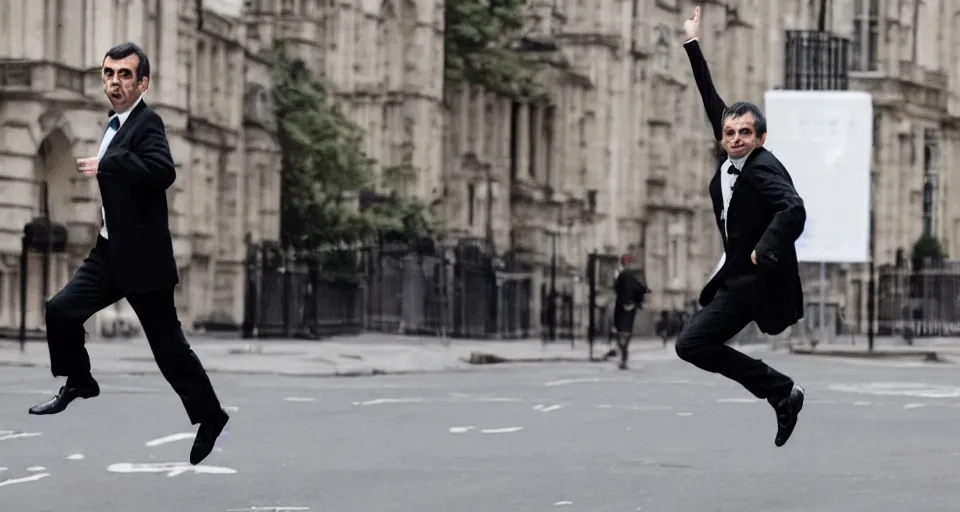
(872, 437)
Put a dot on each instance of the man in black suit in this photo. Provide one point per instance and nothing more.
(133, 257)
(760, 217)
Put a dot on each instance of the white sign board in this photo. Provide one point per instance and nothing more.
(825, 140)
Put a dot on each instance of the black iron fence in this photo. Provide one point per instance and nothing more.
(921, 302)
(427, 288)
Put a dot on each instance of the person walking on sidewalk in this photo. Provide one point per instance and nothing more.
(760, 216)
(133, 256)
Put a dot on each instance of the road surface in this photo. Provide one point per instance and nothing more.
(578, 437)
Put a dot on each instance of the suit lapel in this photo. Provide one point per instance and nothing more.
(125, 127)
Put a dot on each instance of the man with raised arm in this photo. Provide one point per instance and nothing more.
(760, 216)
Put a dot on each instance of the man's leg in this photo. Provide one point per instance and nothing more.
(624, 344)
(703, 344)
(88, 292)
(181, 367)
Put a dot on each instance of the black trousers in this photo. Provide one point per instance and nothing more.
(703, 344)
(91, 290)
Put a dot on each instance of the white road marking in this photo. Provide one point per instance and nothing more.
(75, 456)
(267, 509)
(460, 430)
(299, 399)
(172, 438)
(10, 434)
(501, 430)
(914, 406)
(231, 408)
(562, 503)
(496, 399)
(684, 414)
(379, 401)
(547, 408)
(861, 403)
(3, 469)
(737, 400)
(36, 469)
(911, 389)
(634, 407)
(582, 380)
(31, 478)
(170, 468)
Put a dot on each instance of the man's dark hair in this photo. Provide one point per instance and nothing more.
(123, 50)
(742, 108)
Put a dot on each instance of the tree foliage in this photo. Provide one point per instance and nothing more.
(325, 171)
(926, 248)
(478, 50)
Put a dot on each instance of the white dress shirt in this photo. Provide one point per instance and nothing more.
(727, 182)
(107, 138)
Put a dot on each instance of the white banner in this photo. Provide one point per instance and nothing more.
(825, 140)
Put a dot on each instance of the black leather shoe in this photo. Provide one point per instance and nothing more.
(68, 393)
(788, 410)
(207, 436)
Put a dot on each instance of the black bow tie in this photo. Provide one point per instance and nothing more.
(733, 170)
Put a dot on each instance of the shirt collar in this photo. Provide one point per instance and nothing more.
(122, 116)
(739, 161)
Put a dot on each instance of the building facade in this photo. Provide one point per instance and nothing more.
(615, 160)
(211, 88)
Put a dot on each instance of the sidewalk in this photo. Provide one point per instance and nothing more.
(366, 354)
(946, 350)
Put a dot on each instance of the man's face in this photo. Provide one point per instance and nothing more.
(120, 81)
(740, 136)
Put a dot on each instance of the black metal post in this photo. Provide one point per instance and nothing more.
(23, 293)
(250, 297)
(871, 283)
(287, 261)
(553, 290)
(592, 298)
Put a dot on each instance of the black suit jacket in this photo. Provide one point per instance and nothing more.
(765, 215)
(133, 175)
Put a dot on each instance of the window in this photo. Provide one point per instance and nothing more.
(471, 199)
(866, 29)
(931, 181)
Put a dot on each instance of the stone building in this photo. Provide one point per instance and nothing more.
(616, 160)
(212, 92)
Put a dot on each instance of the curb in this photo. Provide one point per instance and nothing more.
(480, 358)
(931, 356)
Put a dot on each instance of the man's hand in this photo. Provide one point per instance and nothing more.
(692, 25)
(87, 166)
(753, 257)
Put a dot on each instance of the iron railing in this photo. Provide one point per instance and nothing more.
(816, 60)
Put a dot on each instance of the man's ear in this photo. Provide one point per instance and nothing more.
(763, 138)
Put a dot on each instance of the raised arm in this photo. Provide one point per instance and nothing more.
(712, 101)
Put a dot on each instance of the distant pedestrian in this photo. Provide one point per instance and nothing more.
(630, 292)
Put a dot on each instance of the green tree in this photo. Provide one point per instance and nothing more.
(324, 168)
(926, 247)
(479, 47)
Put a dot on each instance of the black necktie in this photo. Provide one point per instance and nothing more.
(114, 123)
